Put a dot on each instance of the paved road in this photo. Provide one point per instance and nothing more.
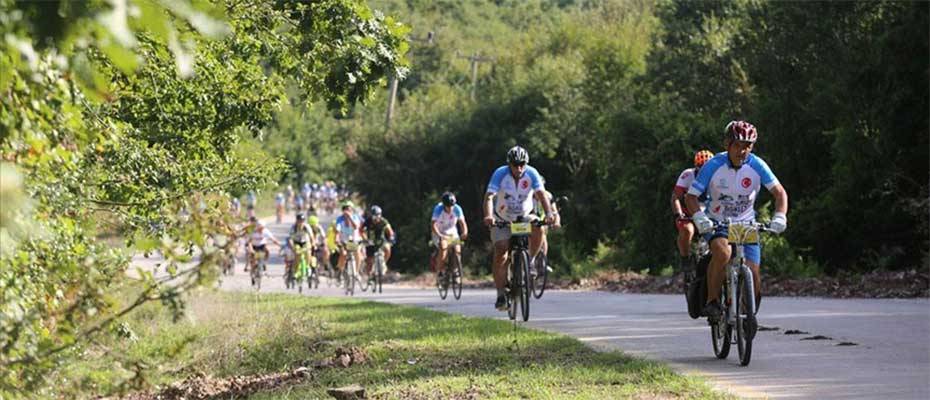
(890, 357)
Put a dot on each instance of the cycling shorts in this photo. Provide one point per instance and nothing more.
(753, 252)
(370, 250)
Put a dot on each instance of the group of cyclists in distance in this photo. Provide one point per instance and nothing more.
(719, 190)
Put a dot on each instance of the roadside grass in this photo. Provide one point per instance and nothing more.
(412, 353)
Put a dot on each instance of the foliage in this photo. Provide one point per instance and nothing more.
(128, 117)
(613, 98)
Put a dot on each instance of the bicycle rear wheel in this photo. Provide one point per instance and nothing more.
(524, 291)
(456, 276)
(542, 275)
(745, 324)
(720, 334)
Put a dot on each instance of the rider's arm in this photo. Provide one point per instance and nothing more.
(434, 226)
(390, 232)
(676, 203)
(692, 202)
(541, 197)
(489, 207)
(781, 198)
(464, 228)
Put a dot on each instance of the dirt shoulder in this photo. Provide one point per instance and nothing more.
(878, 285)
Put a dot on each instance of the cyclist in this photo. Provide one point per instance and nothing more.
(320, 249)
(512, 188)
(289, 197)
(377, 229)
(235, 207)
(258, 241)
(683, 216)
(347, 229)
(543, 245)
(279, 203)
(731, 181)
(447, 220)
(250, 199)
(301, 238)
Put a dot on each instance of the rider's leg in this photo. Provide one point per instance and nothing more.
(753, 258)
(499, 266)
(536, 238)
(685, 234)
(387, 253)
(720, 254)
(370, 259)
(443, 255)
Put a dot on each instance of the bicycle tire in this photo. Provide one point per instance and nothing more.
(257, 275)
(542, 275)
(442, 283)
(349, 280)
(363, 281)
(743, 335)
(456, 273)
(720, 334)
(511, 290)
(379, 274)
(525, 292)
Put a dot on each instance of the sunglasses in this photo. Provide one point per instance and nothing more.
(518, 164)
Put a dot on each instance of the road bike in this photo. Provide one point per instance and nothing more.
(737, 295)
(519, 289)
(350, 275)
(453, 271)
(376, 278)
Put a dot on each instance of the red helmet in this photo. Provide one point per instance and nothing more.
(741, 131)
(701, 157)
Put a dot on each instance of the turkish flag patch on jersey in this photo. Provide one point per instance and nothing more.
(525, 183)
(747, 182)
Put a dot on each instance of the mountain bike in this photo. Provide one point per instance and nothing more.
(737, 295)
(518, 276)
(299, 270)
(376, 278)
(453, 271)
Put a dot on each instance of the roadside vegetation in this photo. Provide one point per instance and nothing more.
(394, 352)
(613, 98)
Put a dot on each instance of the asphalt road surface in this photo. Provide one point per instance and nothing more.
(872, 348)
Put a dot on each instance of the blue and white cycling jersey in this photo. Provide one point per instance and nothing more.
(447, 221)
(345, 231)
(732, 191)
(514, 197)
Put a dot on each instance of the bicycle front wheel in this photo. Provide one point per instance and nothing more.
(525, 292)
(457, 276)
(542, 275)
(745, 324)
(379, 276)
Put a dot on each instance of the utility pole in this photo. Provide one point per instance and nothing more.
(392, 83)
(475, 59)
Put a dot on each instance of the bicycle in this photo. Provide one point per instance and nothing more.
(258, 264)
(518, 276)
(453, 271)
(299, 269)
(376, 278)
(738, 285)
(350, 272)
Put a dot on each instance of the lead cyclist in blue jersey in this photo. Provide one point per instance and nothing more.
(510, 196)
(732, 180)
